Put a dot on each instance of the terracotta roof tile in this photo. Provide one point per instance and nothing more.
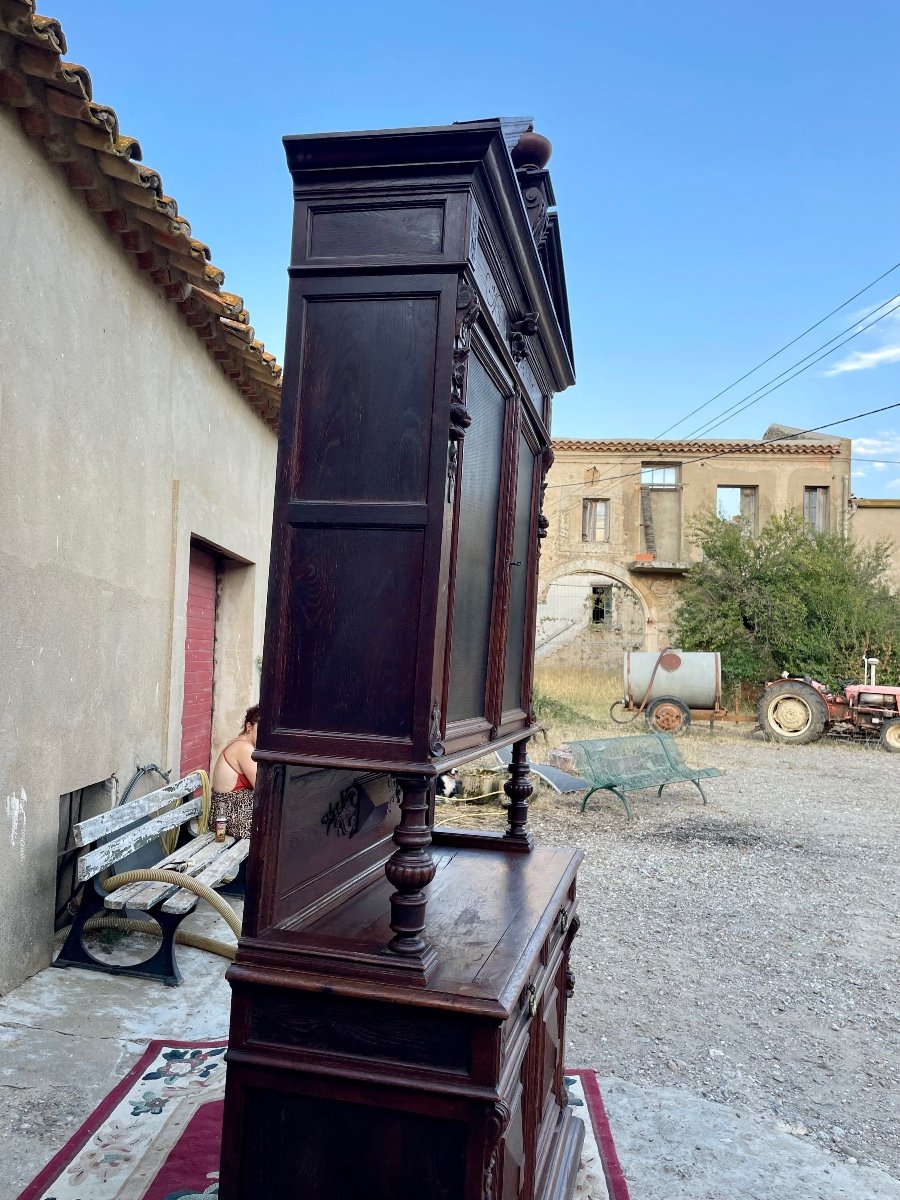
(56, 108)
(699, 446)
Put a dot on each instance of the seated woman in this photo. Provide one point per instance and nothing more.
(233, 780)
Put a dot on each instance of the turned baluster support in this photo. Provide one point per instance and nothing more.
(411, 867)
(519, 788)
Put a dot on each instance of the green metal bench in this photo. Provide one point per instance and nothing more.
(629, 764)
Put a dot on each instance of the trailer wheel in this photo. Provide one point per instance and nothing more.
(668, 715)
(890, 736)
(792, 712)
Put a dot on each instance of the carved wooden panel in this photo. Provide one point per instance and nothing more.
(349, 647)
(348, 1150)
(309, 1021)
(364, 416)
(512, 1175)
(373, 231)
(334, 825)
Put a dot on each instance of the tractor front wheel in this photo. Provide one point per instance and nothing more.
(792, 712)
(890, 736)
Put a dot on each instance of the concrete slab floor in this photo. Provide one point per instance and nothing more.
(66, 1038)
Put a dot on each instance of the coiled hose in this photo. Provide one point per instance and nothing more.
(153, 875)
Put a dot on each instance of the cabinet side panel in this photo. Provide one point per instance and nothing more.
(335, 826)
(363, 421)
(350, 630)
(478, 510)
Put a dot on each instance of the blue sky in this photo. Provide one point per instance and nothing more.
(726, 174)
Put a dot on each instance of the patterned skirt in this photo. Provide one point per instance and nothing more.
(237, 809)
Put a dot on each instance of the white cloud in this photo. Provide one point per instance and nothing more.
(886, 328)
(865, 360)
(858, 474)
(878, 466)
(895, 483)
(886, 444)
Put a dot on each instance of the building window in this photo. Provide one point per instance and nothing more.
(601, 604)
(815, 509)
(740, 506)
(595, 521)
(659, 476)
(74, 807)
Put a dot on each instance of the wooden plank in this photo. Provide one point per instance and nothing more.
(223, 865)
(198, 853)
(126, 814)
(110, 852)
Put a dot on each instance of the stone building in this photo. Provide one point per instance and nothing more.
(620, 512)
(138, 417)
(879, 521)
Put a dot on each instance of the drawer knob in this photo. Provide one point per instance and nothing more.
(532, 1000)
(563, 920)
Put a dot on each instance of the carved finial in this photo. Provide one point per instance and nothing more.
(532, 150)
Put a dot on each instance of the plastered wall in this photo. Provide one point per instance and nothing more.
(120, 440)
(566, 558)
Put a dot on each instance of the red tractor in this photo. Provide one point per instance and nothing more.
(800, 710)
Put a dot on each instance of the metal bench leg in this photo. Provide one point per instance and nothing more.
(161, 965)
(73, 952)
(628, 813)
(587, 797)
(698, 786)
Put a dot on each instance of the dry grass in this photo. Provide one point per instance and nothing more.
(571, 704)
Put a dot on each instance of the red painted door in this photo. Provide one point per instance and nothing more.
(199, 651)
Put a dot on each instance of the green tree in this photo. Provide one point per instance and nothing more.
(788, 600)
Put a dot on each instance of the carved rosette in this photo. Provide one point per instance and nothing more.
(467, 309)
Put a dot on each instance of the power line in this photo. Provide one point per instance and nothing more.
(787, 437)
(753, 397)
(786, 346)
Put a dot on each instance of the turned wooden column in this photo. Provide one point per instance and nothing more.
(411, 867)
(519, 788)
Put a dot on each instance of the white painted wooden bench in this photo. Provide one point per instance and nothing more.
(116, 834)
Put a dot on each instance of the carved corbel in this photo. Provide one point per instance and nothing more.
(523, 327)
(543, 523)
(496, 1122)
(435, 745)
(468, 307)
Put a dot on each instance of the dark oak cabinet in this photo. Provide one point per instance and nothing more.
(399, 993)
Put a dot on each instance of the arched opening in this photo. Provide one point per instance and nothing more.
(587, 619)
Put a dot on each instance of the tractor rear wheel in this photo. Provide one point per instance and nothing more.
(667, 714)
(792, 712)
(890, 736)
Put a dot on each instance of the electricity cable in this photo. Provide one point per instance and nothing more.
(786, 346)
(753, 398)
(777, 382)
(787, 437)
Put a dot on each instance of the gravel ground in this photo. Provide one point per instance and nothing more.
(747, 952)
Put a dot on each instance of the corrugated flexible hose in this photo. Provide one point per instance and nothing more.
(152, 875)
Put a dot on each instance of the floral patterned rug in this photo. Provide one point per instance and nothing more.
(156, 1136)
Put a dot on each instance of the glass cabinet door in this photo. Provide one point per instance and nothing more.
(482, 465)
